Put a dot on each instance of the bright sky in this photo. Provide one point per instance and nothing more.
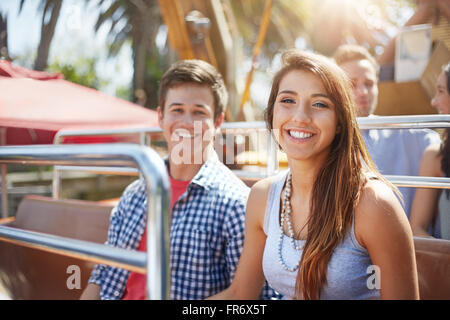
(74, 36)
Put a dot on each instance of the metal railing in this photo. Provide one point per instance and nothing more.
(125, 158)
(372, 122)
(156, 261)
(145, 139)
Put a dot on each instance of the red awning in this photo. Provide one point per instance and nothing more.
(35, 105)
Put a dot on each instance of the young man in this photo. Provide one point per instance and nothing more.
(394, 151)
(208, 200)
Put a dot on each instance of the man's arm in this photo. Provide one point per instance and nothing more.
(104, 276)
(425, 200)
(248, 277)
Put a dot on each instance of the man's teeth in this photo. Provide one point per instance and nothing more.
(300, 134)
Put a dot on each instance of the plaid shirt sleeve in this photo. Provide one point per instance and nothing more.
(234, 229)
(112, 280)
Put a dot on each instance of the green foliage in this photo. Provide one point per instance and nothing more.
(82, 71)
(123, 92)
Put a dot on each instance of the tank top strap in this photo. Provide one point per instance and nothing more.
(273, 200)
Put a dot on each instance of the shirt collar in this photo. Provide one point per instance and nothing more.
(206, 176)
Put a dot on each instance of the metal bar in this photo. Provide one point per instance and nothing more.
(272, 156)
(373, 122)
(376, 122)
(404, 122)
(89, 251)
(101, 170)
(4, 191)
(120, 155)
(419, 182)
(56, 183)
(100, 132)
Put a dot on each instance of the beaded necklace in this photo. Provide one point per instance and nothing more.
(286, 216)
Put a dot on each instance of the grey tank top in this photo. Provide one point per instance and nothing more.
(350, 272)
(444, 215)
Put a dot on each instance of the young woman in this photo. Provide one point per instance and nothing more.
(330, 227)
(435, 162)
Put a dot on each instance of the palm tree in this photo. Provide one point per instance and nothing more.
(50, 14)
(136, 21)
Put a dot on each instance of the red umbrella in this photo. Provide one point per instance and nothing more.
(35, 105)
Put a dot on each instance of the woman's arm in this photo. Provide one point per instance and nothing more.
(381, 226)
(249, 278)
(425, 200)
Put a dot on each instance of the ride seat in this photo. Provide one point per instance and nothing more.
(433, 268)
(28, 273)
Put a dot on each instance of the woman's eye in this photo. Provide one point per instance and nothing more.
(199, 113)
(320, 105)
(287, 100)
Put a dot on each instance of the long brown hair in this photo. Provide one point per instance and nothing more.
(338, 184)
(445, 146)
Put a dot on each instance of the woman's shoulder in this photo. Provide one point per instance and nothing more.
(378, 212)
(377, 197)
(259, 195)
(433, 150)
(260, 190)
(432, 153)
(430, 164)
(262, 187)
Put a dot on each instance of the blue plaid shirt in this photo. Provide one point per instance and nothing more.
(206, 236)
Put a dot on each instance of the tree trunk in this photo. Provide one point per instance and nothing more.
(4, 53)
(143, 34)
(47, 32)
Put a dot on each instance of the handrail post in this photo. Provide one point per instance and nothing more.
(119, 155)
(272, 156)
(56, 181)
(4, 191)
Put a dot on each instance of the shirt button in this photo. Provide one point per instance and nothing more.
(116, 293)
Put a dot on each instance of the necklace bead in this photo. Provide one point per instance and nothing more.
(286, 216)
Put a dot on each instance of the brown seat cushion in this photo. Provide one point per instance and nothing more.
(28, 273)
(433, 268)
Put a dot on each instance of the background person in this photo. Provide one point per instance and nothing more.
(394, 151)
(316, 230)
(432, 204)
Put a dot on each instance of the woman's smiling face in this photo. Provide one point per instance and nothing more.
(441, 100)
(304, 117)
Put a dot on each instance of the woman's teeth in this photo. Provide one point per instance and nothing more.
(300, 134)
